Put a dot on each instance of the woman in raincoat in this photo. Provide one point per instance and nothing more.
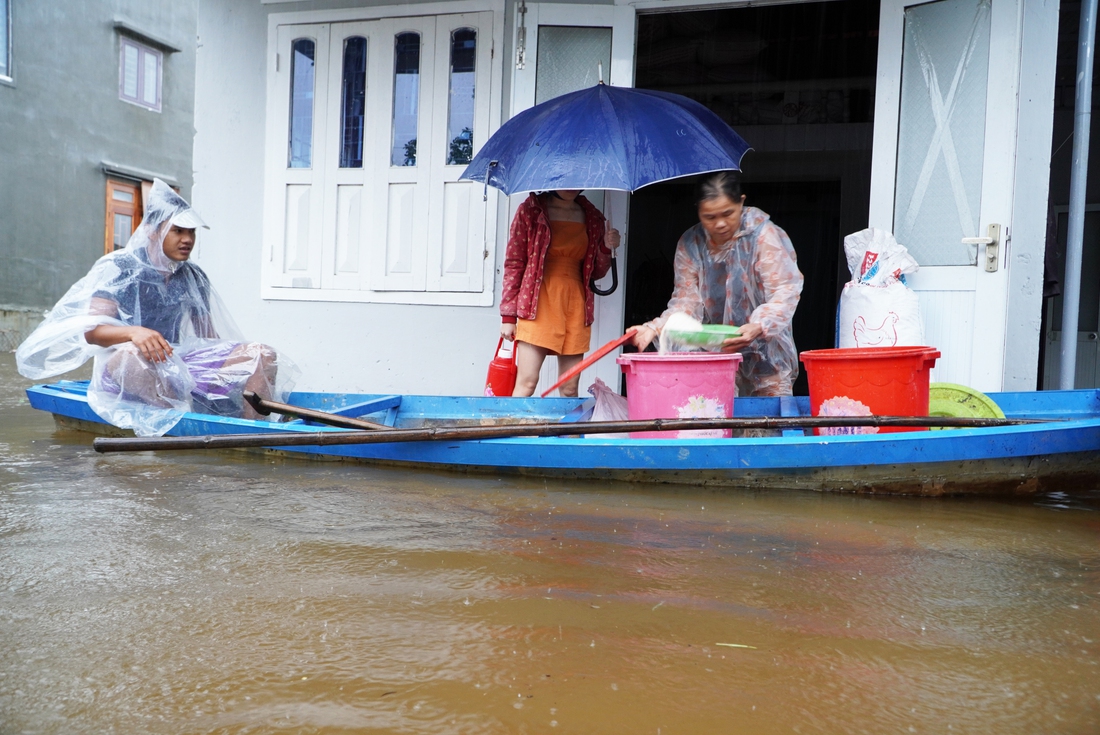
(162, 341)
(737, 267)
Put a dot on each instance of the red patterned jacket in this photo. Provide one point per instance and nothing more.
(528, 241)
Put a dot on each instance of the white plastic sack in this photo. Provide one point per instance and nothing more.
(876, 308)
(610, 406)
(879, 316)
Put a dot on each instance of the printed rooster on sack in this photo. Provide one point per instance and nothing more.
(884, 335)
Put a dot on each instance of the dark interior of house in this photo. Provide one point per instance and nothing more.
(797, 82)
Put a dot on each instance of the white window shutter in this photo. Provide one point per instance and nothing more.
(295, 201)
(458, 211)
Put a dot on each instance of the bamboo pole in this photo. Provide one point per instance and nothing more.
(467, 433)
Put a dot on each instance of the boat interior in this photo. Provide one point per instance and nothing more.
(419, 411)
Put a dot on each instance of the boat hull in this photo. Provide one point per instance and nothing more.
(1017, 460)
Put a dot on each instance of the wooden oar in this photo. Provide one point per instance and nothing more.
(466, 433)
(576, 369)
(265, 407)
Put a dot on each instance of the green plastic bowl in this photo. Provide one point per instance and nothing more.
(951, 399)
(711, 335)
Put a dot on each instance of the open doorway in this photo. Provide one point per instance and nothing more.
(797, 82)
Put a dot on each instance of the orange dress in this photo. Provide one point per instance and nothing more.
(559, 325)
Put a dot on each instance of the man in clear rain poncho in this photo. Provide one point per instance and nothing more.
(162, 340)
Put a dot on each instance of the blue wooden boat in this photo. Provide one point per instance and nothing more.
(1061, 455)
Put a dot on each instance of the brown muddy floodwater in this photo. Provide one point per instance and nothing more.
(233, 593)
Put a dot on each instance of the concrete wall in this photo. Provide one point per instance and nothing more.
(339, 346)
(61, 117)
(16, 322)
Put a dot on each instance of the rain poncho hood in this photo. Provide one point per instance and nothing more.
(140, 286)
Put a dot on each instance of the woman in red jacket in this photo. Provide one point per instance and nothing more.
(558, 243)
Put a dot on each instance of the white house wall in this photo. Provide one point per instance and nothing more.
(376, 347)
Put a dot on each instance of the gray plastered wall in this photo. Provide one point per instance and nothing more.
(61, 118)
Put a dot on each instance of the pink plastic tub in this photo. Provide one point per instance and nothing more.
(680, 385)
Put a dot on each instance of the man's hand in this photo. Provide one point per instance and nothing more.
(749, 334)
(154, 347)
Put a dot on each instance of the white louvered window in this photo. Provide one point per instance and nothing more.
(370, 125)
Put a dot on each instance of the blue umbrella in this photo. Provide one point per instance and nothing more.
(606, 138)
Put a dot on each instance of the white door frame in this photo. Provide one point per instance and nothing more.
(621, 19)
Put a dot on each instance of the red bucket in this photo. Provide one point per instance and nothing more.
(876, 381)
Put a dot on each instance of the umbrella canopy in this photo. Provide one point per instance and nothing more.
(606, 138)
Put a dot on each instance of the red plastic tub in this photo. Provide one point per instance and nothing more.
(876, 381)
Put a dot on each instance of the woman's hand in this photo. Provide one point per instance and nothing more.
(643, 335)
(508, 331)
(749, 334)
(154, 347)
(611, 237)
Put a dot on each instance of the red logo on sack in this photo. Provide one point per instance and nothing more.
(869, 259)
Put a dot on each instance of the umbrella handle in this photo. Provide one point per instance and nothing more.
(614, 282)
(488, 173)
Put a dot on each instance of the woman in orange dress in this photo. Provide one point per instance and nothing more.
(557, 244)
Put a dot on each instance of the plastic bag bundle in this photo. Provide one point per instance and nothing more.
(876, 308)
(139, 285)
(875, 258)
(610, 406)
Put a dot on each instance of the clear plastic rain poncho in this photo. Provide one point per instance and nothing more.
(210, 365)
(752, 278)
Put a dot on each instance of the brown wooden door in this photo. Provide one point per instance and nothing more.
(124, 211)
